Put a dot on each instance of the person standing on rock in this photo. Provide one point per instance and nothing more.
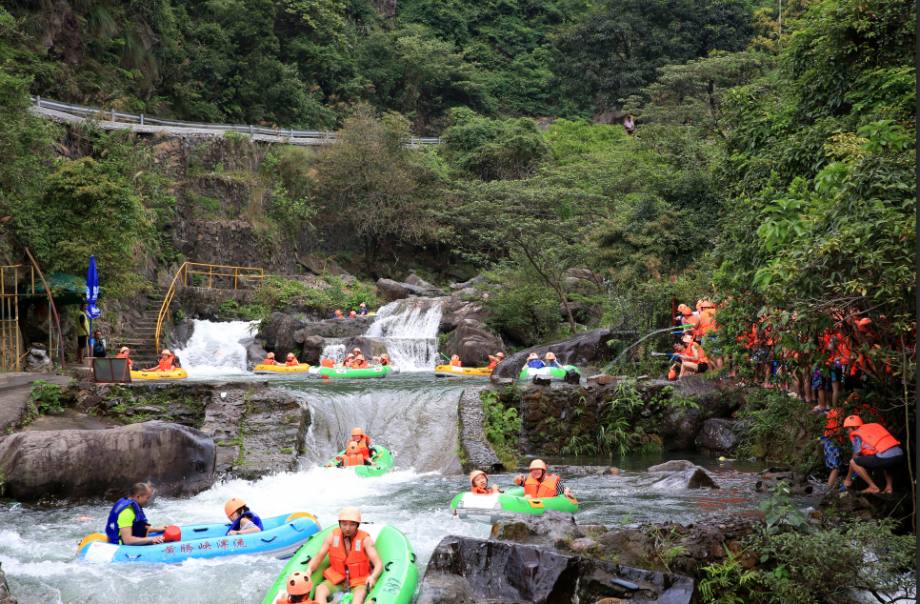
(354, 564)
(540, 483)
(82, 332)
(127, 524)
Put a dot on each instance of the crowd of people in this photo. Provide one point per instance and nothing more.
(697, 330)
(362, 311)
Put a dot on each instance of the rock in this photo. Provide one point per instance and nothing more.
(312, 349)
(177, 459)
(853, 505)
(258, 430)
(476, 449)
(277, 333)
(767, 480)
(255, 354)
(679, 426)
(321, 266)
(718, 435)
(464, 569)
(551, 528)
(392, 290)
(37, 360)
(456, 310)
(333, 328)
(427, 289)
(5, 595)
(471, 284)
(680, 474)
(474, 342)
(585, 349)
(582, 545)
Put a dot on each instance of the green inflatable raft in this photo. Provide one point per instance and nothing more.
(397, 583)
(512, 500)
(382, 458)
(326, 373)
(566, 373)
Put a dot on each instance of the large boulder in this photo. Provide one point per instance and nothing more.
(312, 347)
(550, 528)
(426, 289)
(37, 360)
(679, 474)
(255, 354)
(718, 435)
(391, 290)
(679, 426)
(474, 342)
(277, 333)
(455, 311)
(464, 569)
(334, 328)
(585, 349)
(177, 459)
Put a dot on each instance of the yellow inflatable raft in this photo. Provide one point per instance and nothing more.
(174, 374)
(302, 368)
(450, 370)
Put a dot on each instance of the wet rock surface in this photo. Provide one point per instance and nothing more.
(391, 290)
(680, 474)
(473, 341)
(476, 448)
(719, 435)
(464, 569)
(5, 596)
(90, 463)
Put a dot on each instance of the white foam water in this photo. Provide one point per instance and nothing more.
(409, 330)
(216, 348)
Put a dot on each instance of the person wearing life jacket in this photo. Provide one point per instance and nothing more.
(358, 450)
(125, 353)
(339, 314)
(326, 362)
(540, 483)
(348, 360)
(455, 361)
(270, 359)
(359, 362)
(291, 360)
(693, 358)
(687, 318)
(352, 314)
(384, 359)
(874, 448)
(354, 564)
(297, 588)
(362, 309)
(494, 360)
(479, 483)
(127, 524)
(242, 519)
(837, 345)
(549, 360)
(534, 362)
(167, 361)
(830, 442)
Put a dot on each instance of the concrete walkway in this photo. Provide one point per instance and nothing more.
(15, 389)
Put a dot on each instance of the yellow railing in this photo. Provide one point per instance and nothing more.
(210, 276)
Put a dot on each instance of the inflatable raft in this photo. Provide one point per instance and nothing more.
(566, 373)
(512, 500)
(383, 463)
(451, 371)
(174, 374)
(377, 371)
(396, 585)
(302, 368)
(281, 537)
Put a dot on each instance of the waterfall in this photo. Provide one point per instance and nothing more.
(335, 349)
(215, 347)
(420, 425)
(409, 331)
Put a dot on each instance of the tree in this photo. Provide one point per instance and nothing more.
(373, 184)
(493, 149)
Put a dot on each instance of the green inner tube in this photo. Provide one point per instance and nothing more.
(551, 373)
(396, 585)
(377, 371)
(382, 458)
(513, 500)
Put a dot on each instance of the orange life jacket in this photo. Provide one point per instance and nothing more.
(455, 363)
(359, 363)
(875, 439)
(165, 364)
(832, 426)
(293, 363)
(269, 362)
(493, 362)
(696, 353)
(548, 487)
(286, 599)
(327, 362)
(124, 356)
(479, 490)
(356, 453)
(352, 563)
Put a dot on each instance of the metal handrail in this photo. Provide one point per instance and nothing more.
(238, 273)
(290, 134)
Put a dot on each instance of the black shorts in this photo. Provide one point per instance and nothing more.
(81, 341)
(702, 367)
(874, 462)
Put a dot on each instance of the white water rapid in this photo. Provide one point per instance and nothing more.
(216, 347)
(409, 331)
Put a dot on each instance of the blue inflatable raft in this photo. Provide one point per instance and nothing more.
(281, 537)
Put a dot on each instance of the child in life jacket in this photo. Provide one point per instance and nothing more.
(242, 519)
(297, 589)
(270, 359)
(455, 361)
(479, 483)
(291, 360)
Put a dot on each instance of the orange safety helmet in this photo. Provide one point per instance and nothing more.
(853, 421)
(538, 464)
(233, 504)
(350, 514)
(475, 474)
(357, 432)
(298, 584)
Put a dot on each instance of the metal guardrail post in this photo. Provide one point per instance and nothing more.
(142, 119)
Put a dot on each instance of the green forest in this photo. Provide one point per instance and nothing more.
(771, 168)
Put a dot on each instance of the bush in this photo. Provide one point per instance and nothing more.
(523, 311)
(44, 399)
(278, 293)
(778, 430)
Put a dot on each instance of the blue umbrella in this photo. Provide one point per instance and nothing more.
(92, 294)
